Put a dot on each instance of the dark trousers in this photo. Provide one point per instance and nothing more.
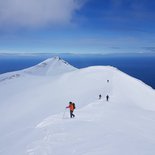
(71, 114)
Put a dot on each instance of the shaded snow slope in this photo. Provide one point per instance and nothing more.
(32, 107)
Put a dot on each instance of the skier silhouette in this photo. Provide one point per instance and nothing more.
(107, 97)
(100, 96)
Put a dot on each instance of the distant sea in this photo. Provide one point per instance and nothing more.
(140, 66)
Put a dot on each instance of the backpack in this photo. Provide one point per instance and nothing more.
(74, 105)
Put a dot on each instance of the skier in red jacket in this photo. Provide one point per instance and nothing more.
(71, 107)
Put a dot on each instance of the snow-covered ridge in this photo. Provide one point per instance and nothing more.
(34, 120)
(9, 76)
(50, 67)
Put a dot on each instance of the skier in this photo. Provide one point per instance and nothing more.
(100, 96)
(71, 107)
(107, 81)
(107, 97)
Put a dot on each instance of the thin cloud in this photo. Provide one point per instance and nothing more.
(37, 13)
(151, 49)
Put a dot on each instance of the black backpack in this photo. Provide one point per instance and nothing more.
(74, 105)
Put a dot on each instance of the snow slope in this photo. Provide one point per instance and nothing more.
(33, 121)
(51, 66)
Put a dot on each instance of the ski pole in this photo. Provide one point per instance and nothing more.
(64, 113)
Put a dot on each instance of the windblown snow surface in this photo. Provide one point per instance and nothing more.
(34, 120)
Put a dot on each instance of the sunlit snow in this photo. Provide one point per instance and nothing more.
(34, 120)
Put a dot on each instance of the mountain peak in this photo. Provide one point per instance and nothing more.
(54, 60)
(51, 66)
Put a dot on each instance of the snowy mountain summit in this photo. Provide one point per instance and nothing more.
(51, 66)
(34, 119)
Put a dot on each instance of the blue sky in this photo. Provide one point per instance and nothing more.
(77, 26)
